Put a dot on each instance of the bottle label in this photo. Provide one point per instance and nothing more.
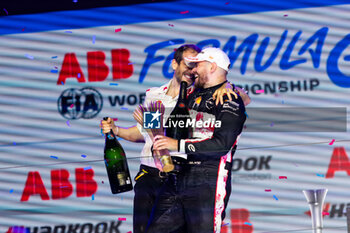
(121, 178)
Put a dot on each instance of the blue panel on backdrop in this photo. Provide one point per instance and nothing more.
(147, 13)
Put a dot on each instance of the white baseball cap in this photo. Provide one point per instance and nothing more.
(211, 55)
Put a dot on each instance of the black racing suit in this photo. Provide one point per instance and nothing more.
(197, 197)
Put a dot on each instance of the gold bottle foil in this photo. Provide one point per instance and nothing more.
(164, 159)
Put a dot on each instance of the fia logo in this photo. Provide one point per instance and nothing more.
(80, 103)
(151, 120)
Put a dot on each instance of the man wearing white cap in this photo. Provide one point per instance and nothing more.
(198, 198)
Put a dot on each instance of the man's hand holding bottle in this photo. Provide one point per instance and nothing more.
(107, 125)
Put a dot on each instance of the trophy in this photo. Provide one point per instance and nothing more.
(315, 198)
(162, 158)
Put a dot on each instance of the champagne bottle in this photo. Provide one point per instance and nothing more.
(179, 114)
(116, 164)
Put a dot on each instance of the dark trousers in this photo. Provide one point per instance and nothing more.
(194, 199)
(147, 187)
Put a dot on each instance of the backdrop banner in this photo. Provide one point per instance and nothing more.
(62, 72)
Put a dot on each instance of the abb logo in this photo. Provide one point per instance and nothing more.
(60, 185)
(339, 162)
(98, 71)
(239, 222)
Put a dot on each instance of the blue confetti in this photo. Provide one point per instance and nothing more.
(29, 56)
(93, 39)
(130, 63)
(68, 32)
(225, 224)
(106, 163)
(67, 122)
(87, 168)
(124, 108)
(113, 84)
(246, 114)
(79, 75)
(248, 223)
(275, 197)
(14, 143)
(54, 157)
(62, 83)
(321, 175)
(84, 156)
(54, 57)
(54, 71)
(282, 101)
(93, 197)
(11, 191)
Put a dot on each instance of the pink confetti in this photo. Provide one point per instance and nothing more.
(118, 30)
(184, 12)
(115, 119)
(72, 106)
(171, 25)
(285, 15)
(6, 11)
(267, 190)
(283, 177)
(325, 213)
(23, 29)
(121, 219)
(103, 182)
(331, 143)
(260, 91)
(227, 3)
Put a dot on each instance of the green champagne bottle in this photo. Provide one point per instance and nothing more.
(116, 164)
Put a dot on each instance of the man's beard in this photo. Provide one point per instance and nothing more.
(199, 82)
(180, 79)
